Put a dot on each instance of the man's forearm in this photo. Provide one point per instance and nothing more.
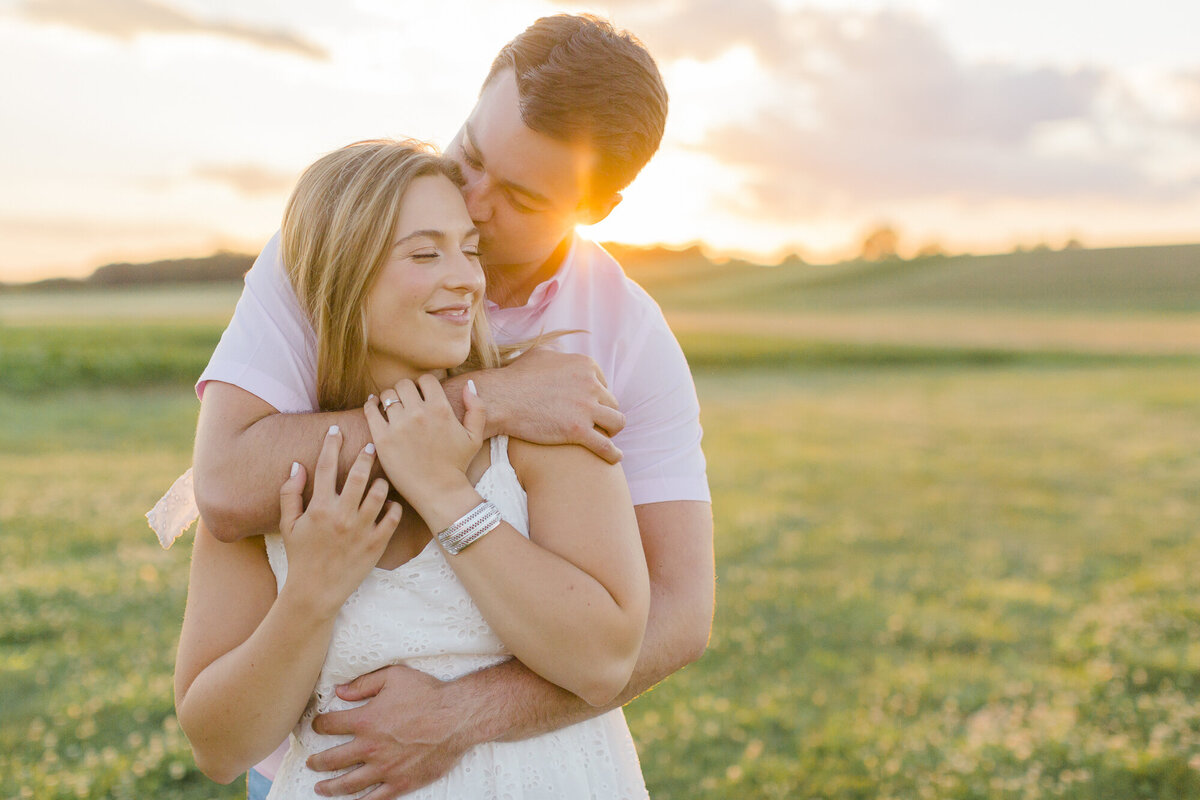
(510, 702)
(244, 451)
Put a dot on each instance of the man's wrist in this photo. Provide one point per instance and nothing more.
(467, 697)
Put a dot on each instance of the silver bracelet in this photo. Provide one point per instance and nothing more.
(482, 519)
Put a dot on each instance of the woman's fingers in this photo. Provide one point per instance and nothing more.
(474, 416)
(357, 477)
(431, 389)
(291, 498)
(391, 518)
(375, 419)
(407, 391)
(325, 478)
(372, 503)
(387, 399)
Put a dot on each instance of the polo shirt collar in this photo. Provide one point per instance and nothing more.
(545, 291)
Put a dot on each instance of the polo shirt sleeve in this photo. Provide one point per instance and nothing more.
(269, 348)
(661, 440)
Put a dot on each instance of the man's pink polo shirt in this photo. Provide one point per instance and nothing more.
(269, 349)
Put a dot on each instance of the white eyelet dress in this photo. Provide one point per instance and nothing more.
(420, 615)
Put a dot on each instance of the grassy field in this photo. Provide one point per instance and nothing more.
(946, 569)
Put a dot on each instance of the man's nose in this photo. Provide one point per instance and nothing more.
(477, 194)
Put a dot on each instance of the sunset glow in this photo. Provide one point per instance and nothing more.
(141, 129)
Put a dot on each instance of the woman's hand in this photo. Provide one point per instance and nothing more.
(423, 447)
(332, 546)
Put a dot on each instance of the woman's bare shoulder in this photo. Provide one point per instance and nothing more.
(534, 462)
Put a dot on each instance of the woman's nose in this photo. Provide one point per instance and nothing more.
(467, 275)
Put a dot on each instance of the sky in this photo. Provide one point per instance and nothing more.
(133, 130)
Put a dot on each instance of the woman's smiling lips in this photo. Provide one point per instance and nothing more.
(459, 314)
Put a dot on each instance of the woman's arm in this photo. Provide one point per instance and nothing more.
(571, 601)
(248, 659)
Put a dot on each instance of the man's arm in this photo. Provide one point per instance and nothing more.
(245, 447)
(416, 728)
(677, 538)
(244, 451)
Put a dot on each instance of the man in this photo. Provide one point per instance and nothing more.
(570, 112)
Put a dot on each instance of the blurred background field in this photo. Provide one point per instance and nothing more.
(955, 506)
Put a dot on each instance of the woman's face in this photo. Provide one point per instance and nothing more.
(421, 307)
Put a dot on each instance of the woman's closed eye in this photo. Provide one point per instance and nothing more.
(426, 255)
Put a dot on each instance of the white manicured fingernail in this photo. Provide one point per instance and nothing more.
(295, 468)
(333, 430)
(471, 387)
(369, 449)
(371, 398)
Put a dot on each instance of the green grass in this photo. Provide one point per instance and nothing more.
(945, 583)
(107, 354)
(1118, 280)
(944, 571)
(933, 581)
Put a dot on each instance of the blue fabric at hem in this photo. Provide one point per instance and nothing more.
(257, 786)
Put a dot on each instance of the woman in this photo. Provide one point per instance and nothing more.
(536, 552)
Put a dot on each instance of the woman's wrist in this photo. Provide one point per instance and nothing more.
(309, 601)
(448, 507)
(490, 394)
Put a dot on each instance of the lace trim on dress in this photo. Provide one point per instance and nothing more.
(175, 511)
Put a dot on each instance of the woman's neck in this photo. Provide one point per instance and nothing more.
(384, 374)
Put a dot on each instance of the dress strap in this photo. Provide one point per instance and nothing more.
(499, 449)
(277, 556)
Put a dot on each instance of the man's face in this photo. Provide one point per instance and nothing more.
(524, 190)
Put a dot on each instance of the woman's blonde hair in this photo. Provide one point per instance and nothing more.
(337, 233)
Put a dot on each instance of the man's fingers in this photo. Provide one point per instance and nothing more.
(352, 782)
(342, 756)
(333, 723)
(609, 399)
(602, 446)
(363, 686)
(387, 792)
(325, 478)
(609, 420)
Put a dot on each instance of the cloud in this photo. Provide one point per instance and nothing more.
(250, 180)
(876, 108)
(126, 19)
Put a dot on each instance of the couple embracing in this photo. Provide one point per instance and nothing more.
(453, 504)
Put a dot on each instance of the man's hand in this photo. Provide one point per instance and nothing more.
(407, 736)
(547, 397)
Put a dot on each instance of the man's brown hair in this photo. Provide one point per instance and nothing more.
(582, 80)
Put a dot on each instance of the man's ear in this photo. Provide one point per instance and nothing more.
(596, 210)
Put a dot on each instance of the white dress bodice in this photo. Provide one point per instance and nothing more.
(420, 615)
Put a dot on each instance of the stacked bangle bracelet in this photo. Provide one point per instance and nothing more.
(482, 519)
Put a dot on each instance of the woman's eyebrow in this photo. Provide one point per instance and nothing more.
(433, 233)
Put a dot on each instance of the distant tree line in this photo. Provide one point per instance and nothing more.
(221, 266)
